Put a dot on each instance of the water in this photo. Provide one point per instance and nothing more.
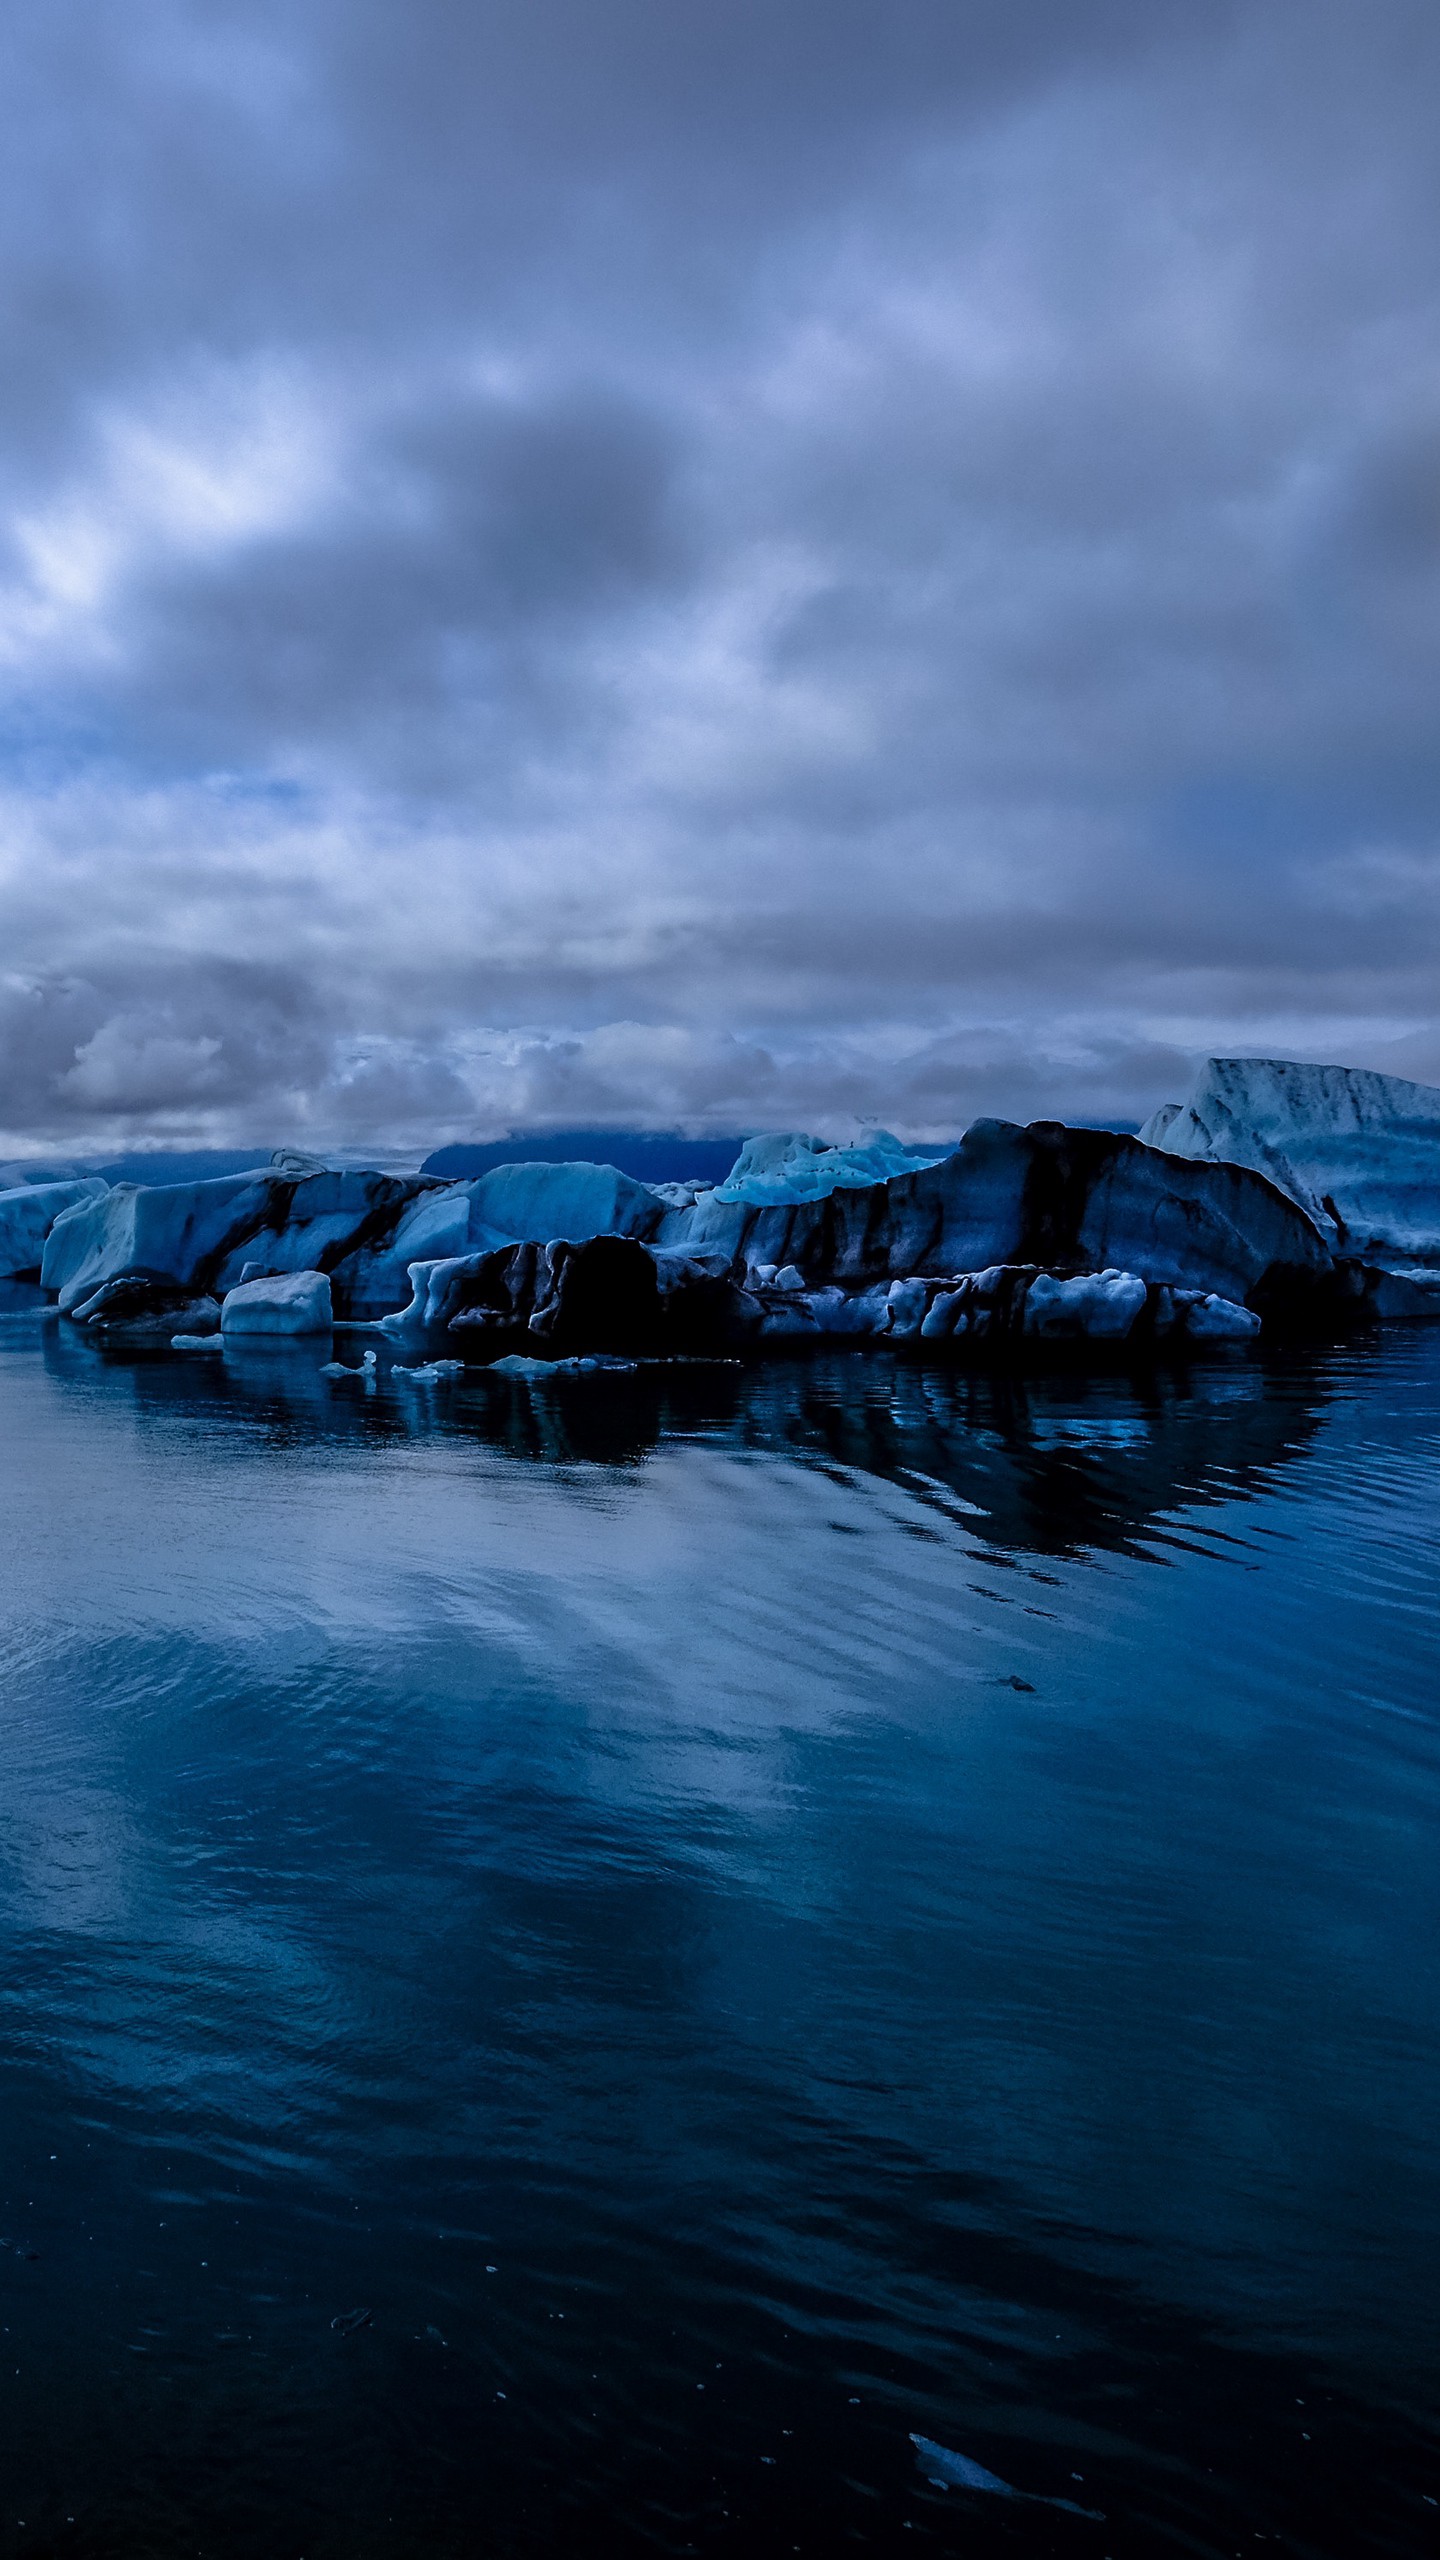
(738, 1915)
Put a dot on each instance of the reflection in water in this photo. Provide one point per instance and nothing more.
(1055, 1460)
(739, 1914)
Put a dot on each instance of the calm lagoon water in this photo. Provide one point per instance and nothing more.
(738, 1915)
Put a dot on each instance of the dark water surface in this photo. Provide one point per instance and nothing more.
(739, 1915)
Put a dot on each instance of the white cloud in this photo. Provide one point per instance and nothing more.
(624, 585)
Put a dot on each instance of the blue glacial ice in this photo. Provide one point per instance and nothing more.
(776, 1171)
(29, 1210)
(1358, 1152)
(1043, 1235)
(292, 1302)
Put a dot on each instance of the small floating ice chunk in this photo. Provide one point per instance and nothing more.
(1101, 1306)
(947, 2470)
(847, 1311)
(196, 1342)
(342, 1368)
(940, 1316)
(1211, 1319)
(292, 1302)
(906, 1303)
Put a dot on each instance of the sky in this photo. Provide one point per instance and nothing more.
(710, 564)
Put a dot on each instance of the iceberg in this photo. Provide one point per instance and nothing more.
(1359, 1153)
(1059, 1199)
(202, 1234)
(1043, 1235)
(292, 1302)
(28, 1211)
(512, 1204)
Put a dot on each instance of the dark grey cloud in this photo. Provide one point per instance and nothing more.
(738, 564)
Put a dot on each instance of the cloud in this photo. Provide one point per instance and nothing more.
(729, 567)
(189, 1050)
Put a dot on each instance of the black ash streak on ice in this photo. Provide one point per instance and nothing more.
(761, 567)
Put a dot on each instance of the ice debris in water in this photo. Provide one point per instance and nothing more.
(196, 1342)
(947, 2470)
(342, 1369)
(517, 1365)
(428, 1373)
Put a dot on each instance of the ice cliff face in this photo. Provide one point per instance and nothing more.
(1359, 1153)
